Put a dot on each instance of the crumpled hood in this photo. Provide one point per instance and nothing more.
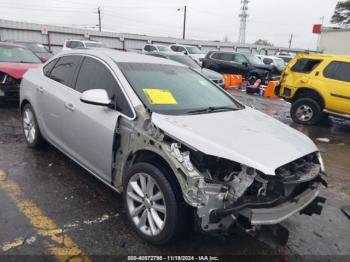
(16, 70)
(246, 136)
(263, 67)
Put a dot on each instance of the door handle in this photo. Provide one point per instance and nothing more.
(69, 107)
(41, 89)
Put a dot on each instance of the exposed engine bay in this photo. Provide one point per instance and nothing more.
(225, 191)
(9, 87)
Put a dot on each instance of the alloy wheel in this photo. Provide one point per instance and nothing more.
(29, 125)
(146, 204)
(304, 113)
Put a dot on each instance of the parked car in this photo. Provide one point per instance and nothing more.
(38, 49)
(285, 56)
(81, 44)
(156, 131)
(275, 62)
(15, 60)
(155, 48)
(192, 51)
(249, 66)
(183, 59)
(317, 85)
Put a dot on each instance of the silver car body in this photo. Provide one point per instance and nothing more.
(87, 134)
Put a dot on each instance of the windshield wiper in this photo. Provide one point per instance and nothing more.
(212, 109)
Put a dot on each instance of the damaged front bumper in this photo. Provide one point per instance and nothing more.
(9, 88)
(279, 213)
(247, 194)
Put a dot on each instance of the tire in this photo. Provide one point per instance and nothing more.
(31, 129)
(306, 111)
(160, 225)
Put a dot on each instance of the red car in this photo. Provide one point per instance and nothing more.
(15, 60)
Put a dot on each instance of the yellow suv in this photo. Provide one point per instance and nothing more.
(317, 85)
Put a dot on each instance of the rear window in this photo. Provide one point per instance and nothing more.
(64, 70)
(305, 65)
(338, 71)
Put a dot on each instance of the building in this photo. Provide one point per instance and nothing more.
(335, 41)
(54, 36)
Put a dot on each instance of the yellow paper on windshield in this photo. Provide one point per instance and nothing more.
(160, 96)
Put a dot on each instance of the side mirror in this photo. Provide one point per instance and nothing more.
(185, 52)
(97, 97)
(245, 64)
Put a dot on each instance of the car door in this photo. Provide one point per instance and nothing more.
(52, 95)
(241, 64)
(337, 82)
(301, 73)
(226, 65)
(90, 129)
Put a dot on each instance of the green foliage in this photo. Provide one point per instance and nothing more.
(262, 42)
(342, 14)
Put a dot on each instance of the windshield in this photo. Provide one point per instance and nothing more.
(254, 60)
(174, 90)
(162, 48)
(193, 50)
(185, 60)
(96, 45)
(38, 48)
(17, 55)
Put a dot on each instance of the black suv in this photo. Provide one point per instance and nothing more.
(250, 66)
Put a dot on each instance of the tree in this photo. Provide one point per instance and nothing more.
(342, 14)
(262, 42)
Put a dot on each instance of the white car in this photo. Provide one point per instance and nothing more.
(275, 62)
(192, 51)
(182, 151)
(155, 48)
(81, 44)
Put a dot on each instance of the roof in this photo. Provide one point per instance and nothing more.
(169, 53)
(10, 45)
(83, 40)
(269, 56)
(323, 56)
(124, 57)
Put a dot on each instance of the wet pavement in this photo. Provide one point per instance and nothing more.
(51, 206)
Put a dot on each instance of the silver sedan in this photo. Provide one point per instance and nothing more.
(171, 141)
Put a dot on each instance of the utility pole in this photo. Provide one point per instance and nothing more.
(184, 26)
(184, 29)
(243, 21)
(290, 40)
(319, 36)
(99, 18)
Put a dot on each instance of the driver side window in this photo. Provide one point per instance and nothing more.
(95, 75)
(240, 59)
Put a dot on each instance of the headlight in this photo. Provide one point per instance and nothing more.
(320, 160)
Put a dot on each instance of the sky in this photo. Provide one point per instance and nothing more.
(272, 20)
